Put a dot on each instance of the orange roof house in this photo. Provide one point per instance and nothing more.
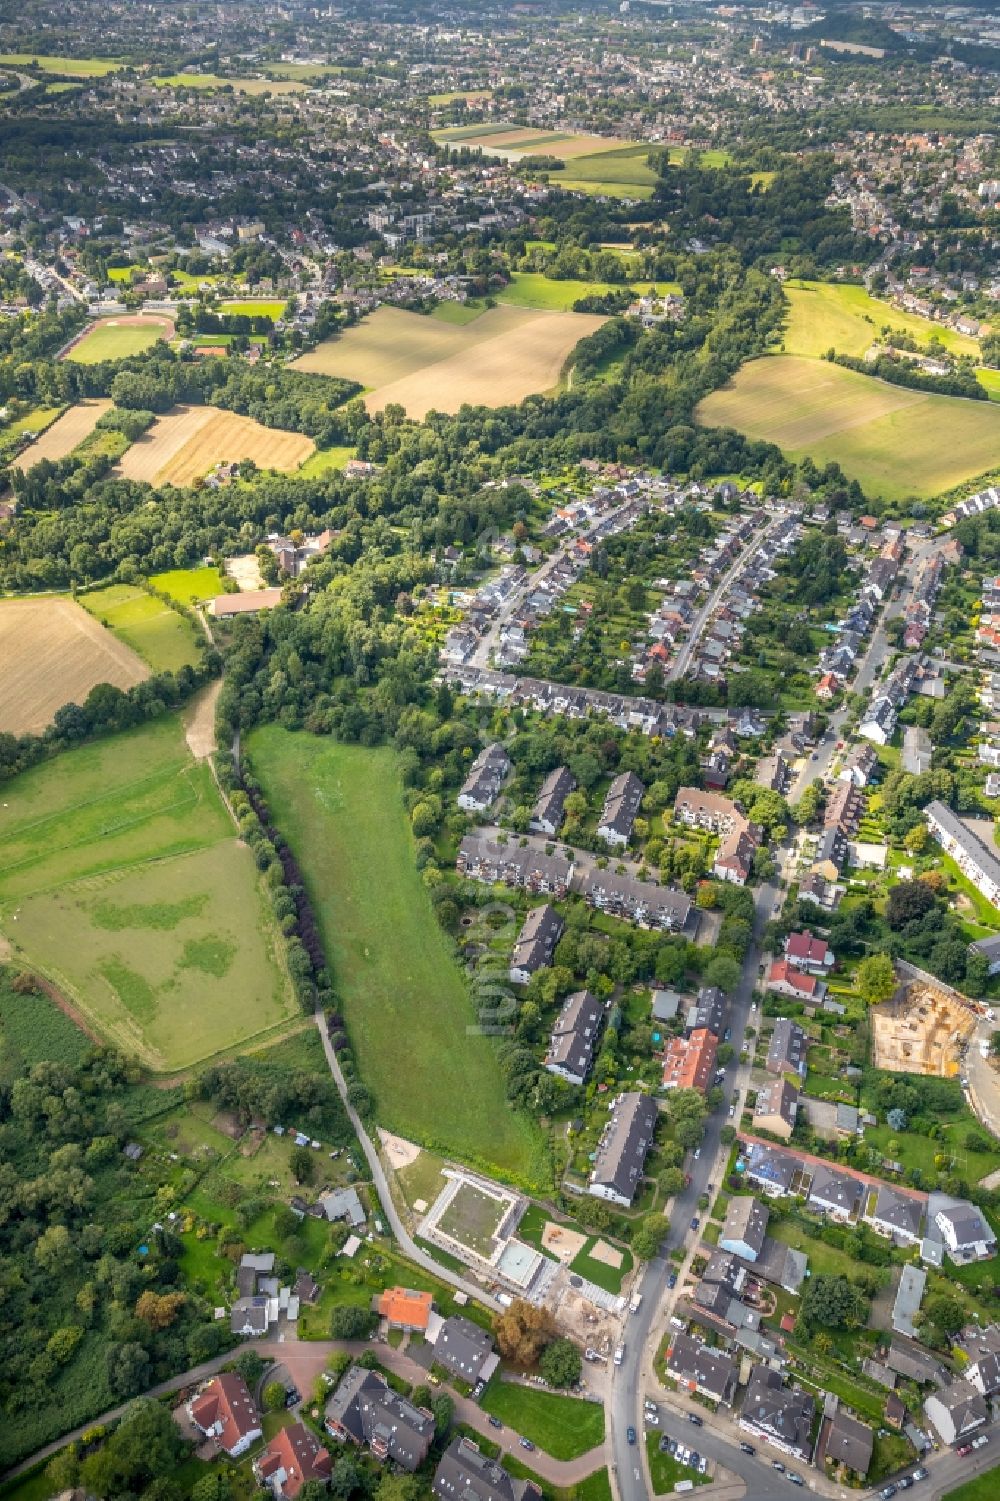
(404, 1308)
(225, 1411)
(688, 1061)
(291, 1458)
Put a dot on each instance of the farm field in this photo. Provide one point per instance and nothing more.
(514, 141)
(894, 441)
(134, 897)
(185, 444)
(163, 639)
(117, 338)
(824, 315)
(405, 1000)
(534, 290)
(502, 356)
(250, 86)
(469, 95)
(52, 653)
(76, 67)
(623, 172)
(63, 435)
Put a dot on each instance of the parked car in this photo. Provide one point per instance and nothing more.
(629, 1434)
(526, 1443)
(478, 1389)
(695, 1419)
(672, 1279)
(292, 1396)
(921, 1473)
(653, 1419)
(664, 1445)
(748, 1448)
(671, 1445)
(495, 1422)
(795, 1479)
(777, 1465)
(702, 1465)
(694, 1459)
(980, 1441)
(904, 1483)
(887, 1492)
(695, 1223)
(962, 1452)
(732, 1110)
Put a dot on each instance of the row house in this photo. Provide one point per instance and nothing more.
(482, 858)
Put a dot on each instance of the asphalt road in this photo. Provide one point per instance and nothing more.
(680, 663)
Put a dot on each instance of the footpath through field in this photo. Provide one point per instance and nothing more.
(305, 1359)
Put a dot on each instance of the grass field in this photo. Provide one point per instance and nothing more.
(895, 442)
(188, 442)
(75, 67)
(562, 1426)
(163, 639)
(189, 586)
(824, 315)
(52, 653)
(471, 96)
(33, 1030)
(982, 1488)
(405, 1000)
(325, 459)
(60, 437)
(255, 308)
(501, 356)
(251, 86)
(117, 338)
(533, 290)
(122, 881)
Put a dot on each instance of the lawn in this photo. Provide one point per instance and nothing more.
(189, 586)
(982, 1488)
(77, 67)
(405, 1000)
(123, 883)
(532, 289)
(111, 340)
(325, 459)
(664, 1470)
(610, 1278)
(919, 1151)
(161, 637)
(255, 308)
(563, 1427)
(896, 442)
(824, 315)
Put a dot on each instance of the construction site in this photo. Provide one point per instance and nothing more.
(923, 1029)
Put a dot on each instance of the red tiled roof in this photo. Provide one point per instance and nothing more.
(226, 1400)
(297, 1452)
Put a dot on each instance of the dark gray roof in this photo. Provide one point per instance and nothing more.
(624, 1143)
(462, 1347)
(622, 804)
(690, 1360)
(787, 1049)
(710, 1011)
(985, 859)
(776, 1409)
(575, 1033)
(552, 795)
(465, 1474)
(898, 1211)
(368, 1409)
(540, 932)
(486, 774)
(850, 1442)
(842, 1191)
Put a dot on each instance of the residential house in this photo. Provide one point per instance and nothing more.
(773, 772)
(547, 815)
(786, 1053)
(818, 890)
(697, 1368)
(777, 1414)
(981, 1348)
(735, 855)
(850, 1443)
(224, 1410)
(708, 1011)
(896, 1215)
(831, 853)
(536, 943)
(956, 1411)
(574, 1037)
(840, 1195)
(664, 1006)
(484, 859)
(787, 979)
(775, 1108)
(745, 1227)
(917, 750)
(343, 1204)
(844, 809)
(365, 1410)
(776, 1172)
(810, 953)
(487, 774)
(620, 808)
(966, 1233)
(642, 902)
(689, 1062)
(622, 1150)
(293, 1457)
(402, 1308)
(465, 1350)
(990, 950)
(466, 1474)
(909, 1295)
(860, 765)
(970, 854)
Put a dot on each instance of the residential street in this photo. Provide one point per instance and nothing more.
(679, 666)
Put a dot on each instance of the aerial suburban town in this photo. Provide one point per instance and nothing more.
(499, 750)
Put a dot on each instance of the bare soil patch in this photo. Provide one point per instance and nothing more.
(65, 434)
(608, 1255)
(199, 721)
(52, 653)
(561, 1242)
(399, 1152)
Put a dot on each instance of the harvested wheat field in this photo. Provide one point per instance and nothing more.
(52, 653)
(65, 433)
(189, 442)
(501, 356)
(496, 373)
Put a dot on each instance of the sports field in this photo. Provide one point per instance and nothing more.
(52, 653)
(164, 639)
(500, 357)
(825, 315)
(405, 1000)
(132, 894)
(188, 442)
(59, 439)
(73, 67)
(895, 442)
(117, 338)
